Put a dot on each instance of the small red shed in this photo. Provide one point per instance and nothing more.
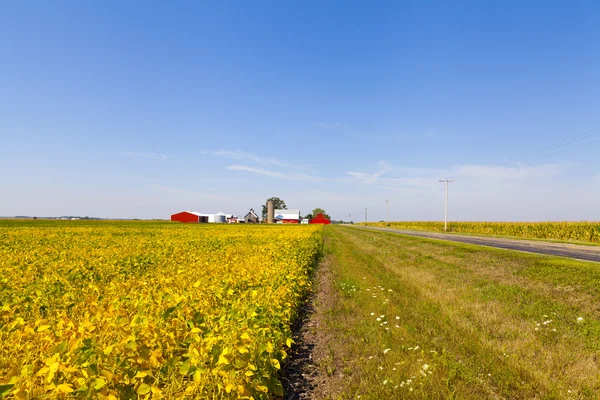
(189, 216)
(320, 219)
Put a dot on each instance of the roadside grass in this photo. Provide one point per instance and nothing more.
(422, 318)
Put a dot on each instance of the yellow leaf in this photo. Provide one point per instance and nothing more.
(141, 374)
(144, 389)
(42, 328)
(156, 390)
(263, 388)
(108, 349)
(289, 342)
(275, 363)
(99, 384)
(229, 387)
(197, 376)
(64, 388)
(222, 360)
(245, 336)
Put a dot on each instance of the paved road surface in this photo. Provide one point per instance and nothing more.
(580, 252)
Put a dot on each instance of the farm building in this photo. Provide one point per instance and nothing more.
(196, 217)
(189, 216)
(287, 216)
(320, 219)
(251, 217)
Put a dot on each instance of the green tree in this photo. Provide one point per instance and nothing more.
(278, 204)
(319, 210)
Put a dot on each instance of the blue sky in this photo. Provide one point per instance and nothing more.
(140, 110)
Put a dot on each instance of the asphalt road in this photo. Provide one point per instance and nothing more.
(580, 252)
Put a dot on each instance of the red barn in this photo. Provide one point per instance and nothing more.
(287, 216)
(189, 216)
(320, 219)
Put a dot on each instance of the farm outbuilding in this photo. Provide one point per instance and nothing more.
(251, 217)
(287, 216)
(189, 216)
(320, 219)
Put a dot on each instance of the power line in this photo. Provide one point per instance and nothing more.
(560, 143)
(553, 146)
(565, 151)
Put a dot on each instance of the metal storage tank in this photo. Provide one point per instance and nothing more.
(220, 219)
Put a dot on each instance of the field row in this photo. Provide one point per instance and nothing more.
(564, 231)
(149, 310)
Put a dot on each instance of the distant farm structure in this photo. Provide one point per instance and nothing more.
(251, 217)
(200, 218)
(320, 219)
(287, 216)
(273, 216)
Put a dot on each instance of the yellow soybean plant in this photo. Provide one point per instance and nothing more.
(128, 310)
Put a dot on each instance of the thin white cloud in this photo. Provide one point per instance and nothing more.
(176, 192)
(370, 177)
(245, 156)
(509, 172)
(330, 125)
(420, 183)
(291, 176)
(400, 179)
(144, 155)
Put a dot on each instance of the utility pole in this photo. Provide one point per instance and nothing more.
(350, 215)
(365, 214)
(387, 220)
(446, 181)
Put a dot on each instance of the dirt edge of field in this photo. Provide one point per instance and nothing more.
(302, 376)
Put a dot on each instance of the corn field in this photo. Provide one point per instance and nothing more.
(563, 231)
